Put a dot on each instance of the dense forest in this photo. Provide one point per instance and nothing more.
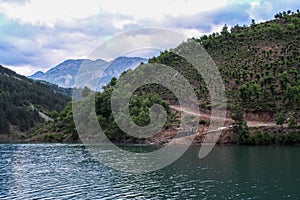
(21, 99)
(260, 68)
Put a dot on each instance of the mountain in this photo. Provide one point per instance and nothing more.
(65, 73)
(65, 91)
(118, 66)
(37, 74)
(24, 102)
(259, 65)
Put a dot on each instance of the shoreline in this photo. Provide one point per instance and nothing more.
(265, 135)
(145, 144)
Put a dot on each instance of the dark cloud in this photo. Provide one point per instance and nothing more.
(17, 47)
(39, 45)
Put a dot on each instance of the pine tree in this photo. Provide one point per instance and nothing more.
(4, 129)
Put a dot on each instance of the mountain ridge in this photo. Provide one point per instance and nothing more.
(21, 101)
(64, 74)
(260, 68)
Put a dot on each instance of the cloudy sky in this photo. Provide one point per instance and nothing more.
(39, 34)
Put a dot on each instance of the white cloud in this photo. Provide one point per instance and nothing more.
(39, 34)
(157, 9)
(25, 70)
(138, 40)
(48, 12)
(260, 10)
(192, 33)
(120, 23)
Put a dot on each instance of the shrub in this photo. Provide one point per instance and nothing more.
(54, 137)
(260, 138)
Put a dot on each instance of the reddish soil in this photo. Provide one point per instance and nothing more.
(222, 135)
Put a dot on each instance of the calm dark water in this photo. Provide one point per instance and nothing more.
(62, 171)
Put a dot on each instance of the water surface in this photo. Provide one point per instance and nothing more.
(67, 171)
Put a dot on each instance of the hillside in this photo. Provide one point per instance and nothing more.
(261, 62)
(258, 64)
(260, 68)
(64, 74)
(21, 100)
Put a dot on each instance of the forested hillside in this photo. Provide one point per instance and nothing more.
(259, 64)
(63, 128)
(21, 99)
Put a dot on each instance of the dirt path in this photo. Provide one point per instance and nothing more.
(208, 116)
(203, 135)
(45, 117)
(42, 115)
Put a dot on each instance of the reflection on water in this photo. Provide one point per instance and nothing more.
(63, 171)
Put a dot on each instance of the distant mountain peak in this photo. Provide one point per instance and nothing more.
(37, 74)
(64, 74)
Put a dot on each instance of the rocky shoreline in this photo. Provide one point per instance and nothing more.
(165, 137)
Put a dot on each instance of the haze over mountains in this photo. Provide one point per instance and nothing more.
(64, 74)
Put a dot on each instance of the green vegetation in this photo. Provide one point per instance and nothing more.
(261, 62)
(260, 68)
(139, 110)
(22, 98)
(54, 137)
(259, 65)
(283, 139)
(239, 125)
(56, 88)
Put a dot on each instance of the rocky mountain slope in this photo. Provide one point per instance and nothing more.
(64, 74)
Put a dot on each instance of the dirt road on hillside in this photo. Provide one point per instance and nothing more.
(228, 120)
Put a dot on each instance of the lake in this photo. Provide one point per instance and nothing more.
(68, 171)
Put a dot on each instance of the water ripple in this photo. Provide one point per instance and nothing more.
(61, 171)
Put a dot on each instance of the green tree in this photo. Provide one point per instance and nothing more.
(292, 96)
(239, 126)
(225, 31)
(283, 78)
(256, 89)
(292, 122)
(4, 129)
(244, 93)
(281, 118)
